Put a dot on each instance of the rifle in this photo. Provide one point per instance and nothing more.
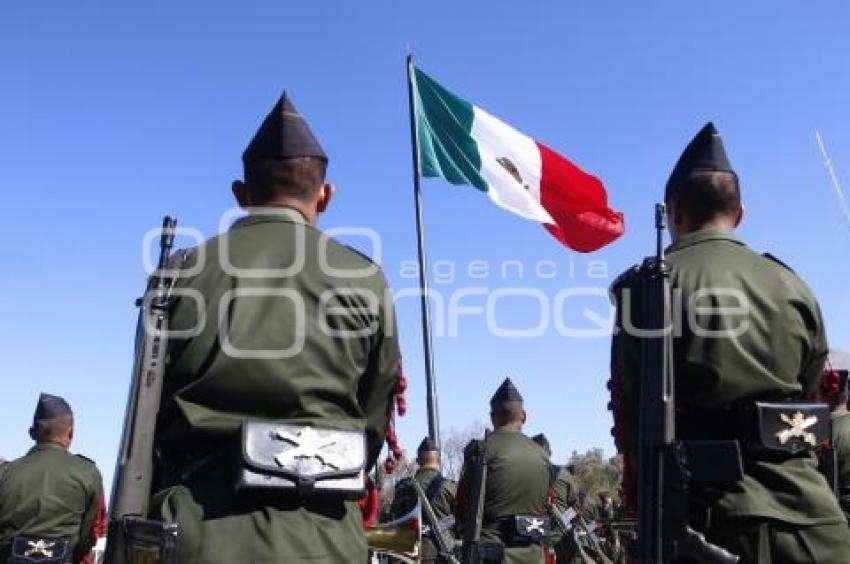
(131, 537)
(663, 470)
(470, 551)
(442, 540)
(571, 519)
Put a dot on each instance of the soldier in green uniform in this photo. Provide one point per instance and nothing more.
(439, 490)
(50, 498)
(563, 494)
(517, 483)
(750, 330)
(833, 391)
(291, 348)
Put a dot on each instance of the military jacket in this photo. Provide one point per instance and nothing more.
(773, 349)
(841, 444)
(289, 326)
(50, 493)
(517, 483)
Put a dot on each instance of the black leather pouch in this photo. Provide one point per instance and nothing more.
(32, 550)
(305, 459)
(791, 427)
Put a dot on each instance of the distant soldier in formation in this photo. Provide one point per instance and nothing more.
(833, 391)
(782, 510)
(517, 482)
(439, 490)
(51, 501)
(294, 370)
(563, 494)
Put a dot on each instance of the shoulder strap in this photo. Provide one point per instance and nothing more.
(434, 487)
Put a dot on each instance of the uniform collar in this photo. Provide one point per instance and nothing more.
(701, 236)
(270, 215)
(38, 447)
(839, 411)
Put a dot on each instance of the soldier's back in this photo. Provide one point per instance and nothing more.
(768, 344)
(47, 493)
(297, 331)
(517, 484)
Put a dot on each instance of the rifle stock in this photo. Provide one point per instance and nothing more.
(470, 552)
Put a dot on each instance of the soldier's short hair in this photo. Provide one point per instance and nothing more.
(47, 429)
(507, 411)
(296, 177)
(706, 194)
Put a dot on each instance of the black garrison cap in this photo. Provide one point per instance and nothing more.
(427, 445)
(506, 392)
(283, 134)
(51, 407)
(704, 152)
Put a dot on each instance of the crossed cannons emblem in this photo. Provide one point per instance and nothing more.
(307, 444)
(797, 425)
(39, 548)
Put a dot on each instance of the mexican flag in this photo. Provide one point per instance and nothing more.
(467, 146)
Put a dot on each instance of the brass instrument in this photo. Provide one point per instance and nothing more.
(400, 539)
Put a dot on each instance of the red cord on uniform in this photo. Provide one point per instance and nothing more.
(370, 504)
(397, 405)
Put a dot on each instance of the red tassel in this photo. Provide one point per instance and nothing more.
(370, 504)
(398, 405)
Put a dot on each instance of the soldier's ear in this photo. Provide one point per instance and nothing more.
(326, 194)
(241, 193)
(524, 416)
(739, 217)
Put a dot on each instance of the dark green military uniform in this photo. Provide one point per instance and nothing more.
(441, 494)
(50, 493)
(517, 483)
(299, 329)
(782, 511)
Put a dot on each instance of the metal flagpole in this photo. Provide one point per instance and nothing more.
(427, 341)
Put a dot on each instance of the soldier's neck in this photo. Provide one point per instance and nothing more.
(307, 210)
(511, 427)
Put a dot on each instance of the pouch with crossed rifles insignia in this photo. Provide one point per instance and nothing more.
(791, 427)
(304, 459)
(32, 550)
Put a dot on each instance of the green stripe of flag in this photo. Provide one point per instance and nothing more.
(444, 123)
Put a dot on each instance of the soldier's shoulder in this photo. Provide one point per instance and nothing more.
(774, 259)
(624, 279)
(87, 465)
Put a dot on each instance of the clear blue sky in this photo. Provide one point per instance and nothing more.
(113, 114)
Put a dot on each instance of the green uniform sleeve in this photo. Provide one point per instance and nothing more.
(378, 385)
(87, 535)
(818, 350)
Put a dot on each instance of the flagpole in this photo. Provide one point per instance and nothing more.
(427, 341)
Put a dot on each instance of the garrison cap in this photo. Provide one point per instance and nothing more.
(284, 134)
(506, 392)
(705, 152)
(51, 407)
(427, 445)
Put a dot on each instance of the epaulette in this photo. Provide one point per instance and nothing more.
(86, 458)
(365, 257)
(777, 261)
